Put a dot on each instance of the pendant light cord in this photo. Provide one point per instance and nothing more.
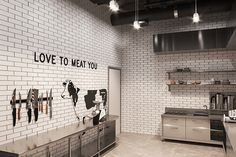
(136, 10)
(195, 6)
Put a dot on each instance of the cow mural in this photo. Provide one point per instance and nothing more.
(71, 92)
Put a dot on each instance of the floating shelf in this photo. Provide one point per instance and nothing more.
(190, 72)
(198, 85)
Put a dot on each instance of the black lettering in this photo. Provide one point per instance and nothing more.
(35, 58)
(42, 57)
(89, 63)
(81, 64)
(66, 61)
(53, 59)
(61, 59)
(48, 58)
(84, 63)
(95, 66)
(73, 62)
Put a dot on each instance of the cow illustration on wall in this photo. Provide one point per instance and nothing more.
(71, 92)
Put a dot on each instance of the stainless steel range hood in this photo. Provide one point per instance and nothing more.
(222, 38)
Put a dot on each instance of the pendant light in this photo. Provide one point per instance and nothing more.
(196, 17)
(114, 6)
(176, 14)
(136, 23)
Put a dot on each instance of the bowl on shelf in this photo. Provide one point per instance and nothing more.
(171, 82)
(225, 82)
(196, 82)
(181, 82)
(186, 69)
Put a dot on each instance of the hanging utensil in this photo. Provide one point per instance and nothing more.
(13, 106)
(20, 104)
(28, 105)
(47, 102)
(41, 103)
(50, 103)
(35, 103)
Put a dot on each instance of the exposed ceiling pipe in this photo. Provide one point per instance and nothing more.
(184, 10)
(100, 2)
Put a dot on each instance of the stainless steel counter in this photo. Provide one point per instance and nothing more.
(192, 113)
(211, 117)
(230, 129)
(33, 142)
(195, 125)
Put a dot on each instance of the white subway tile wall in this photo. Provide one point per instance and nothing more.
(68, 28)
(81, 30)
(144, 91)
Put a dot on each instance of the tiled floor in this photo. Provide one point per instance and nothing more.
(136, 145)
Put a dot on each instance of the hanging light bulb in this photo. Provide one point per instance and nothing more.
(114, 6)
(196, 17)
(136, 23)
(176, 14)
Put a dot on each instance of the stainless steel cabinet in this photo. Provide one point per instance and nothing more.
(198, 129)
(186, 129)
(108, 135)
(174, 127)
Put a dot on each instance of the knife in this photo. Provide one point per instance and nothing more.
(35, 104)
(50, 103)
(13, 106)
(19, 109)
(28, 105)
(47, 102)
(41, 103)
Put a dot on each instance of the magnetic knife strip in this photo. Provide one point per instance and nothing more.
(25, 100)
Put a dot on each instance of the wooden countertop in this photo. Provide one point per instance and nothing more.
(24, 145)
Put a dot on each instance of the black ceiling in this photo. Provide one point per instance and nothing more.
(152, 10)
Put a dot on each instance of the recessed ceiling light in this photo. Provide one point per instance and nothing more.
(114, 6)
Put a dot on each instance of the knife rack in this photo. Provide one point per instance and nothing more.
(25, 100)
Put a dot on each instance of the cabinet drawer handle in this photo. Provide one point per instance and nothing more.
(172, 127)
(199, 129)
(175, 119)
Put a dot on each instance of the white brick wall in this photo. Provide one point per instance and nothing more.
(71, 28)
(79, 29)
(144, 93)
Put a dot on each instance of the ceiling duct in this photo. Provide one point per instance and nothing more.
(100, 2)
